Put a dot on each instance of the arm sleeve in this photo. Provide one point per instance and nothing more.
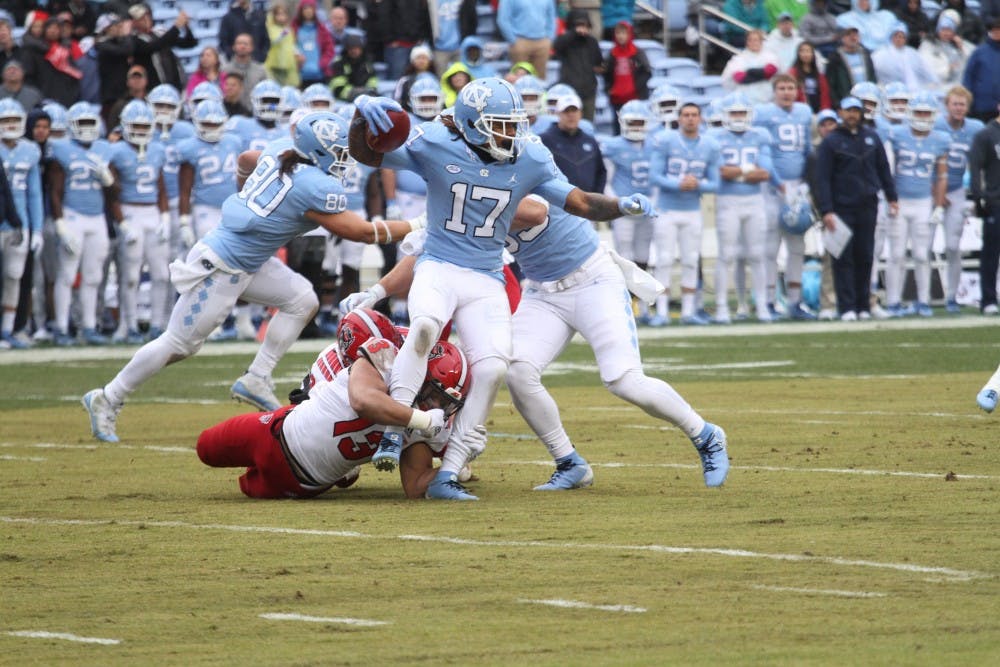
(822, 191)
(10, 211)
(36, 211)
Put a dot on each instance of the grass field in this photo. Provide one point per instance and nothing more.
(860, 523)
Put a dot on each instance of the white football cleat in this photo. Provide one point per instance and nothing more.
(257, 391)
(103, 415)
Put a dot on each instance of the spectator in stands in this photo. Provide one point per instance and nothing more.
(154, 49)
(209, 69)
(614, 12)
(900, 62)
(242, 20)
(912, 14)
(452, 81)
(794, 8)
(232, 94)
(848, 65)
(136, 87)
(14, 86)
(750, 70)
(981, 75)
(314, 42)
(784, 41)
(576, 152)
(90, 81)
(339, 29)
(283, 58)
(945, 52)
(971, 26)
(405, 23)
(580, 59)
(83, 17)
(449, 28)
(49, 64)
(872, 23)
(9, 49)
(374, 30)
(751, 12)
(243, 63)
(114, 46)
(471, 55)
(819, 27)
(814, 89)
(353, 74)
(420, 63)
(626, 71)
(518, 70)
(528, 26)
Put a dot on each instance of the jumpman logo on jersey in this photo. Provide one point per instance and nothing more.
(513, 179)
(476, 95)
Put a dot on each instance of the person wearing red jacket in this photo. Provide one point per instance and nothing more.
(814, 89)
(626, 70)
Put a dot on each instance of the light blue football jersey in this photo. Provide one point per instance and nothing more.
(555, 248)
(741, 148)
(180, 131)
(673, 156)
(355, 184)
(21, 165)
(631, 166)
(472, 202)
(269, 212)
(791, 134)
(252, 134)
(958, 150)
(139, 178)
(83, 191)
(214, 168)
(882, 128)
(915, 159)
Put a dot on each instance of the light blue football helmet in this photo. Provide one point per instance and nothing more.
(203, 91)
(796, 217)
(291, 100)
(489, 114)
(166, 103)
(426, 98)
(318, 96)
(635, 119)
(84, 121)
(664, 102)
(58, 121)
(12, 119)
(897, 97)
(870, 96)
(737, 112)
(321, 138)
(137, 120)
(266, 100)
(554, 93)
(210, 120)
(922, 111)
(713, 115)
(532, 92)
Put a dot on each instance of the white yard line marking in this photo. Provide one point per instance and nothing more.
(948, 573)
(56, 445)
(7, 457)
(819, 591)
(42, 634)
(321, 619)
(574, 604)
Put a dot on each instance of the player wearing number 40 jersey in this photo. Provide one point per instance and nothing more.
(478, 165)
(284, 196)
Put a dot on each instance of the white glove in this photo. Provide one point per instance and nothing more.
(127, 234)
(418, 222)
(163, 229)
(937, 215)
(365, 299)
(392, 210)
(437, 424)
(37, 242)
(101, 169)
(475, 442)
(69, 242)
(186, 231)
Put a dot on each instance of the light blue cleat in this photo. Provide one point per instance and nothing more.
(390, 448)
(695, 320)
(572, 472)
(257, 391)
(103, 415)
(445, 486)
(987, 399)
(711, 446)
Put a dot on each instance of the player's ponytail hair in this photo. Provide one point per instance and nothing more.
(288, 160)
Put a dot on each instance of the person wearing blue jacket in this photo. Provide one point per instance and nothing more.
(851, 168)
(528, 26)
(981, 75)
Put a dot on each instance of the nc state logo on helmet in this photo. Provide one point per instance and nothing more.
(447, 381)
(361, 325)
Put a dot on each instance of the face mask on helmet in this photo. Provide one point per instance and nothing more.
(86, 130)
(266, 108)
(737, 119)
(12, 127)
(139, 134)
(446, 382)
(489, 115)
(921, 118)
(427, 105)
(895, 107)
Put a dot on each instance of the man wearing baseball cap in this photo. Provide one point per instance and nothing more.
(851, 168)
(576, 152)
(851, 63)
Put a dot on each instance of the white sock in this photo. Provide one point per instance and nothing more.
(488, 373)
(538, 408)
(687, 304)
(663, 305)
(994, 382)
(658, 399)
(147, 362)
(7, 321)
(282, 331)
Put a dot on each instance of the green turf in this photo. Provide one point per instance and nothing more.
(140, 542)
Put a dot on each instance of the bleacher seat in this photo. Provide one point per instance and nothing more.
(651, 47)
(702, 84)
(381, 69)
(606, 46)
(487, 21)
(552, 72)
(931, 8)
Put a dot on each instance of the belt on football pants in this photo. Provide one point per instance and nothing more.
(304, 478)
(573, 278)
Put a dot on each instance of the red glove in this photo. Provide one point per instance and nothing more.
(769, 71)
(739, 76)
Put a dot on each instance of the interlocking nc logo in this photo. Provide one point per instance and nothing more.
(327, 132)
(476, 95)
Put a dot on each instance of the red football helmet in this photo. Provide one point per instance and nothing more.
(358, 326)
(447, 381)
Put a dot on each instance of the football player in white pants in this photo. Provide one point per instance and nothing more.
(745, 164)
(138, 168)
(76, 177)
(920, 154)
(288, 193)
(961, 129)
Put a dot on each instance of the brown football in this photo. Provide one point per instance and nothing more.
(385, 142)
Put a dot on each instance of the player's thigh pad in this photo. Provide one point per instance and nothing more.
(540, 327)
(274, 284)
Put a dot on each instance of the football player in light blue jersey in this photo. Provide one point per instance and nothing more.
(920, 154)
(76, 178)
(58, 123)
(282, 198)
(206, 90)
(20, 162)
(532, 92)
(551, 117)
(478, 165)
(318, 97)
(257, 132)
(291, 99)
(685, 165)
(138, 167)
(629, 162)
(961, 129)
(665, 102)
(168, 132)
(207, 174)
(745, 164)
(790, 125)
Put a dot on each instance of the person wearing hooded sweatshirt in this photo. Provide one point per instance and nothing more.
(614, 12)
(453, 80)
(946, 53)
(912, 14)
(784, 40)
(314, 41)
(353, 74)
(581, 59)
(528, 26)
(971, 26)
(626, 70)
(472, 57)
(283, 58)
(873, 24)
(981, 75)
(898, 61)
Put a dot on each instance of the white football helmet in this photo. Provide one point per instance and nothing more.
(137, 121)
(12, 119)
(634, 120)
(922, 111)
(737, 113)
(166, 103)
(897, 97)
(665, 102)
(84, 121)
(209, 120)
